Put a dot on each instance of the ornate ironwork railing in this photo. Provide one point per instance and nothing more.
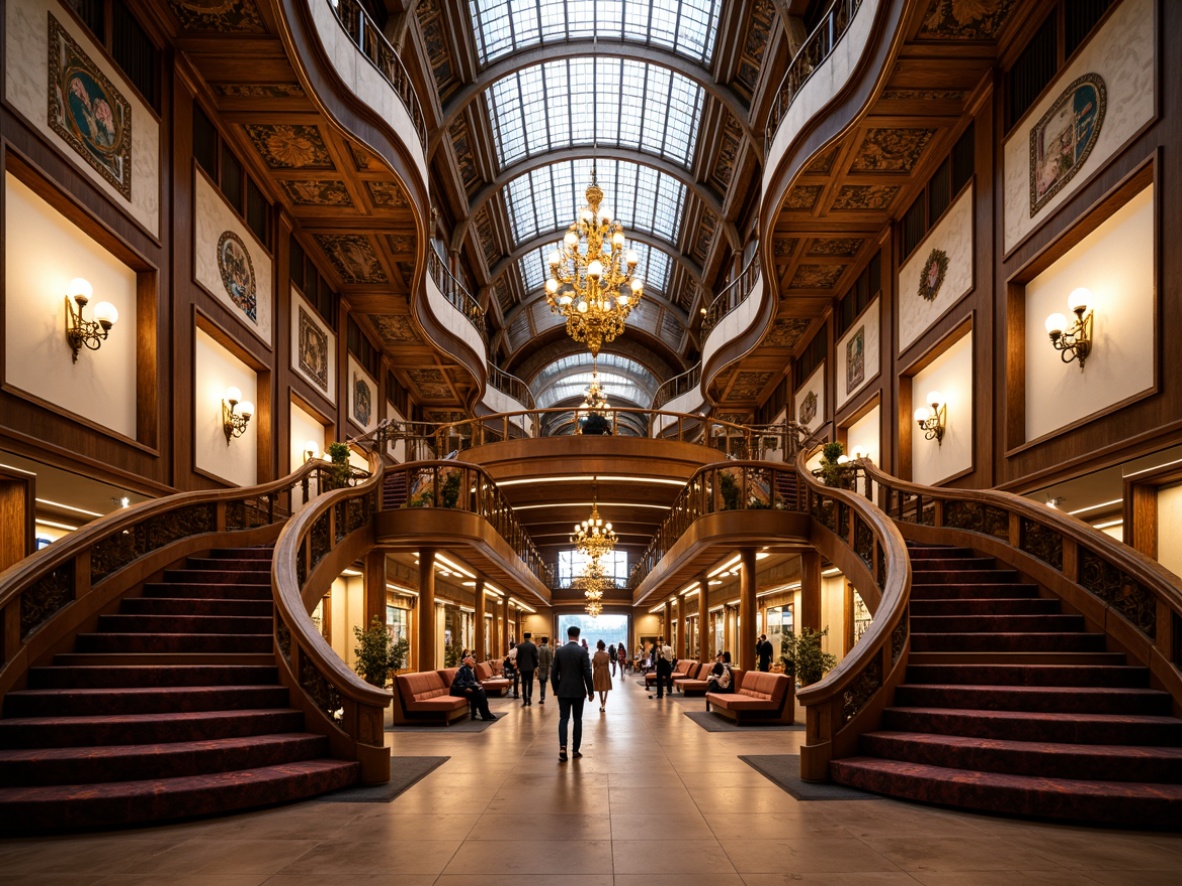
(869, 549)
(368, 37)
(725, 486)
(734, 295)
(817, 47)
(674, 387)
(467, 487)
(459, 297)
(311, 551)
(511, 385)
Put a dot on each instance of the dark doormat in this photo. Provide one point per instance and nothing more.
(784, 770)
(714, 723)
(468, 725)
(404, 772)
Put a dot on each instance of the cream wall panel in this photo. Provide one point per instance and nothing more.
(43, 252)
(812, 396)
(833, 614)
(1169, 528)
(866, 435)
(1116, 262)
(857, 354)
(305, 428)
(216, 369)
(1122, 52)
(952, 375)
(954, 237)
(26, 79)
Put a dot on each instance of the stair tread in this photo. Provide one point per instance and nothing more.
(18, 755)
(64, 691)
(985, 714)
(1031, 747)
(143, 718)
(1123, 691)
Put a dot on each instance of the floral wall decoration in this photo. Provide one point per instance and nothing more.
(363, 397)
(931, 278)
(808, 408)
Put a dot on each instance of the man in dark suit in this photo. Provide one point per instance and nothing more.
(764, 651)
(527, 663)
(570, 675)
(465, 685)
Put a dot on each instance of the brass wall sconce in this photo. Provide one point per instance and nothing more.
(1074, 342)
(236, 414)
(81, 332)
(311, 449)
(932, 420)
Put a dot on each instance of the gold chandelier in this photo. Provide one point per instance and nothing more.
(593, 537)
(594, 397)
(594, 289)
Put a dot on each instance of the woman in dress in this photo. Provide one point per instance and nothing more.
(601, 675)
(623, 656)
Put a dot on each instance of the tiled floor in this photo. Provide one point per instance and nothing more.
(656, 801)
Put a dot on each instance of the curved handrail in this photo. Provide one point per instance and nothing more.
(310, 552)
(870, 551)
(511, 385)
(817, 47)
(459, 297)
(1060, 550)
(368, 38)
(678, 385)
(732, 296)
(468, 487)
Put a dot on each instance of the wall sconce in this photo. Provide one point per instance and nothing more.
(310, 450)
(234, 422)
(79, 331)
(931, 421)
(1074, 343)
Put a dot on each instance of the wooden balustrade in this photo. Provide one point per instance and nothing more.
(732, 296)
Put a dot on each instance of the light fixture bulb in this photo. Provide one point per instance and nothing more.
(623, 300)
(233, 394)
(618, 239)
(595, 269)
(582, 307)
(571, 239)
(1055, 324)
(922, 414)
(246, 409)
(551, 286)
(637, 286)
(555, 258)
(1079, 300)
(935, 398)
(311, 448)
(843, 459)
(632, 258)
(80, 287)
(565, 299)
(106, 314)
(585, 214)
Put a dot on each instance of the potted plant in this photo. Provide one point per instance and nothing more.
(803, 658)
(449, 490)
(372, 652)
(340, 473)
(451, 655)
(834, 468)
(399, 652)
(730, 491)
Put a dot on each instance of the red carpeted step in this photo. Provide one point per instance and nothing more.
(227, 563)
(1025, 657)
(194, 606)
(1000, 623)
(1071, 799)
(200, 591)
(1012, 642)
(97, 677)
(184, 624)
(56, 807)
(217, 576)
(985, 606)
(1057, 699)
(952, 564)
(1109, 762)
(76, 766)
(66, 732)
(1029, 675)
(1037, 726)
(174, 643)
(79, 702)
(1004, 590)
(963, 576)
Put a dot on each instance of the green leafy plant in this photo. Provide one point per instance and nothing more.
(451, 656)
(449, 490)
(803, 658)
(340, 472)
(833, 473)
(372, 652)
(399, 653)
(730, 491)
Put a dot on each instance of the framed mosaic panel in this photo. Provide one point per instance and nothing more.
(362, 394)
(313, 348)
(810, 400)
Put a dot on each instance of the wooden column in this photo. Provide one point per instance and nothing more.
(810, 591)
(703, 619)
(682, 629)
(667, 627)
(478, 640)
(503, 630)
(375, 587)
(747, 627)
(426, 625)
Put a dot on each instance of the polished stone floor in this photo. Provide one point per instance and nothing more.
(656, 801)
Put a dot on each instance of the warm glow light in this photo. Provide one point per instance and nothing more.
(935, 398)
(1079, 300)
(233, 394)
(80, 286)
(1056, 323)
(246, 409)
(922, 414)
(106, 314)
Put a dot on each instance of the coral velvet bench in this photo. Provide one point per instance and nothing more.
(425, 698)
(758, 698)
(695, 680)
(679, 670)
(494, 685)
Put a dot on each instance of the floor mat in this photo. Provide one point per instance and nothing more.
(404, 772)
(784, 771)
(715, 723)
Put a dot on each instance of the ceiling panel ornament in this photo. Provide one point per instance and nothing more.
(387, 195)
(430, 17)
(785, 247)
(461, 143)
(891, 150)
(704, 236)
(258, 90)
(728, 151)
(802, 198)
(395, 329)
(487, 235)
(816, 276)
(822, 164)
(840, 247)
(317, 192)
(922, 95)
(354, 257)
(290, 146)
(964, 19)
(431, 383)
(226, 16)
(759, 26)
(865, 198)
(748, 385)
(786, 332)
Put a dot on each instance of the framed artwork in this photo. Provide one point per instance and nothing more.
(855, 359)
(931, 276)
(237, 272)
(1064, 136)
(808, 408)
(313, 352)
(363, 397)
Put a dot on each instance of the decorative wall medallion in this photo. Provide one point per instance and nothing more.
(891, 150)
(843, 247)
(808, 408)
(786, 332)
(855, 359)
(237, 272)
(387, 195)
(395, 328)
(802, 198)
(816, 276)
(729, 140)
(964, 19)
(931, 278)
(353, 256)
(217, 15)
(363, 399)
(317, 192)
(287, 146)
(1061, 141)
(312, 349)
(258, 90)
(87, 111)
(865, 198)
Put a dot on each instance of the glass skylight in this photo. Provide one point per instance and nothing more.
(558, 104)
(621, 378)
(687, 27)
(640, 197)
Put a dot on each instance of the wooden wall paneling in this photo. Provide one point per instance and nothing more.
(17, 507)
(1140, 516)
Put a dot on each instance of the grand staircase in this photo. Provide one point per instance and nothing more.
(1011, 706)
(172, 708)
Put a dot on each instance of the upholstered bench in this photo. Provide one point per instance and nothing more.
(695, 681)
(493, 685)
(425, 697)
(758, 698)
(679, 670)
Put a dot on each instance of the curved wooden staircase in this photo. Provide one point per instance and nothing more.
(172, 708)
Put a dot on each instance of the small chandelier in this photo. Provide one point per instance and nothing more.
(594, 397)
(594, 608)
(594, 289)
(593, 537)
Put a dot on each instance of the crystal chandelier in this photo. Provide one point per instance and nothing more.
(594, 397)
(593, 537)
(594, 289)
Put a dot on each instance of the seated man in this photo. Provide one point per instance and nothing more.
(595, 425)
(720, 674)
(465, 685)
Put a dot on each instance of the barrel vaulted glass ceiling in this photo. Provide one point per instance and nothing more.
(625, 381)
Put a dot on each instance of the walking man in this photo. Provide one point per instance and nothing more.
(527, 663)
(663, 660)
(611, 653)
(571, 678)
(763, 649)
(545, 659)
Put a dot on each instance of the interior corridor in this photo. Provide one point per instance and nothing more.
(655, 801)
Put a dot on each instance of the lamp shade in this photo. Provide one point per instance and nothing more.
(935, 398)
(246, 408)
(922, 414)
(80, 286)
(311, 448)
(1056, 323)
(1079, 300)
(106, 313)
(233, 394)
(595, 269)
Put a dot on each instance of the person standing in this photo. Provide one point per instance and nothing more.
(611, 654)
(663, 660)
(465, 685)
(510, 666)
(622, 652)
(601, 676)
(570, 676)
(527, 663)
(763, 650)
(545, 659)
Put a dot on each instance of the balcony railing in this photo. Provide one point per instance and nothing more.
(459, 297)
(817, 47)
(368, 37)
(734, 295)
(672, 388)
(511, 386)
